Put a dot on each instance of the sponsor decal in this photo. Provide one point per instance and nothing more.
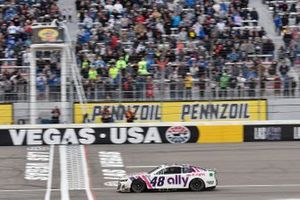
(267, 133)
(48, 34)
(278, 132)
(173, 180)
(196, 174)
(297, 133)
(178, 134)
(113, 135)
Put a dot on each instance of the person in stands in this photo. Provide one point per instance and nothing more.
(130, 116)
(106, 116)
(188, 84)
(55, 115)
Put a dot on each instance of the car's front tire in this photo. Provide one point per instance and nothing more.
(197, 185)
(138, 186)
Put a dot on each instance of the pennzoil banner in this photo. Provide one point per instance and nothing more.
(241, 110)
(6, 116)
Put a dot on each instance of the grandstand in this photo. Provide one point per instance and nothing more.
(155, 50)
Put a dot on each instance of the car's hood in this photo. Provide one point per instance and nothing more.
(134, 175)
(137, 174)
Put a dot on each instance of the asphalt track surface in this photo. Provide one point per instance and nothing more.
(256, 171)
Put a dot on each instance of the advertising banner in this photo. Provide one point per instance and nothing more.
(99, 135)
(47, 35)
(242, 110)
(182, 111)
(276, 132)
(6, 116)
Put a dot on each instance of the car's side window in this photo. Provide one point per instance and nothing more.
(160, 172)
(187, 170)
(173, 170)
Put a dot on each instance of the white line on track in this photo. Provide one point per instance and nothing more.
(113, 188)
(53, 190)
(86, 174)
(249, 186)
(64, 188)
(285, 199)
(29, 190)
(141, 166)
(49, 182)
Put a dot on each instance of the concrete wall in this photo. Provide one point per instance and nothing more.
(21, 111)
(284, 109)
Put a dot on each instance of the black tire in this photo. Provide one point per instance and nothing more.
(197, 185)
(138, 186)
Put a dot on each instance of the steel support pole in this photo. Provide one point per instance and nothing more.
(64, 104)
(33, 111)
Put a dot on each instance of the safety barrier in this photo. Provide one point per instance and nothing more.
(145, 133)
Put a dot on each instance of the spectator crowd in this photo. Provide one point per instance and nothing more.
(144, 48)
(286, 15)
(154, 49)
(16, 20)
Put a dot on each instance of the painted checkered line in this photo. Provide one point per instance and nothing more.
(75, 175)
(74, 171)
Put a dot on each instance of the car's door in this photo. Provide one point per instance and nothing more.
(186, 173)
(169, 177)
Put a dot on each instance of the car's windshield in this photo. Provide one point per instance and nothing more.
(153, 170)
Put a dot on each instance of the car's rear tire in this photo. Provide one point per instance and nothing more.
(138, 186)
(197, 185)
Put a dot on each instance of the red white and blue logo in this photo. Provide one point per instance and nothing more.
(178, 134)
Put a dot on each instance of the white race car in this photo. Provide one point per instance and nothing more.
(166, 177)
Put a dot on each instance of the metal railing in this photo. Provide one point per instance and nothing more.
(159, 91)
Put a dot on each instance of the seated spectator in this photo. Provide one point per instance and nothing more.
(55, 115)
